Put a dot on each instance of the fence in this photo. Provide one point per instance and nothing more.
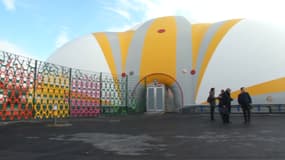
(32, 89)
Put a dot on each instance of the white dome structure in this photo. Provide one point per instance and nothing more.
(189, 58)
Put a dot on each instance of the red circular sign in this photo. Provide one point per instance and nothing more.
(161, 30)
(124, 74)
(193, 71)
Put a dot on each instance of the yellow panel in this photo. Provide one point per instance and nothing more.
(160, 78)
(198, 32)
(159, 51)
(106, 48)
(221, 32)
(125, 39)
(273, 86)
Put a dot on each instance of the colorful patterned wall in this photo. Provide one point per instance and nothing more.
(16, 87)
(32, 89)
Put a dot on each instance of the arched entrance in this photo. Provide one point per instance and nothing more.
(158, 92)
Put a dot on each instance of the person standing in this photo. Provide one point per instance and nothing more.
(226, 100)
(244, 100)
(212, 101)
(229, 100)
(222, 107)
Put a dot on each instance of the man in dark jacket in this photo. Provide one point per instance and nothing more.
(244, 100)
(227, 101)
(212, 101)
(221, 105)
(225, 105)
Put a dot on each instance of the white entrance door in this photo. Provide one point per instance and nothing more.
(155, 99)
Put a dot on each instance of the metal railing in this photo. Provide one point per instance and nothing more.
(256, 108)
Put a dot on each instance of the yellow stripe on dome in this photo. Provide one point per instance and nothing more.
(159, 50)
(221, 32)
(107, 50)
(198, 32)
(125, 39)
(273, 86)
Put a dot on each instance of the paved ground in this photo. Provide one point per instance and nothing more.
(151, 137)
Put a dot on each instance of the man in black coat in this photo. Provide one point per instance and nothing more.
(225, 105)
(244, 100)
(227, 101)
(212, 101)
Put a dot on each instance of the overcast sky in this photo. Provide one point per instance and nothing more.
(36, 28)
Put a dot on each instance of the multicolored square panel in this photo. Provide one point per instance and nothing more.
(51, 91)
(16, 86)
(114, 94)
(85, 94)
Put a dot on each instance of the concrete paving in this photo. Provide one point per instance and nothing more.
(151, 137)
